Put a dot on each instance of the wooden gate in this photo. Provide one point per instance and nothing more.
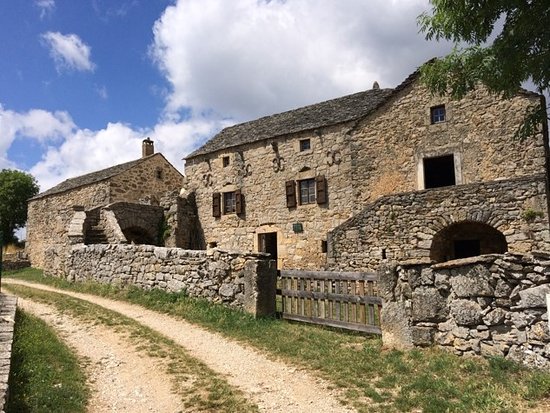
(337, 299)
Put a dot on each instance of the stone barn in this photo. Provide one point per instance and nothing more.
(384, 174)
(119, 204)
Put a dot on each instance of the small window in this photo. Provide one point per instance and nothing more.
(229, 203)
(324, 246)
(437, 114)
(225, 161)
(158, 173)
(305, 145)
(307, 191)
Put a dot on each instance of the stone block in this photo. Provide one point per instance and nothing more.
(534, 297)
(428, 305)
(465, 312)
(494, 317)
(422, 336)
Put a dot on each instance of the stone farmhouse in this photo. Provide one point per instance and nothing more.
(119, 204)
(384, 174)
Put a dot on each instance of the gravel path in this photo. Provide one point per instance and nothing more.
(273, 386)
(122, 380)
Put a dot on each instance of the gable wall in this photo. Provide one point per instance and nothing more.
(49, 217)
(141, 181)
(479, 130)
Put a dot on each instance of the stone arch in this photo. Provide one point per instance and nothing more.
(466, 239)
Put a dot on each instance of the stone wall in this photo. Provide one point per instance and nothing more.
(49, 218)
(361, 161)
(245, 281)
(403, 226)
(8, 305)
(487, 305)
(182, 228)
(151, 178)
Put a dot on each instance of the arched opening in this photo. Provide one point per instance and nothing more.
(137, 235)
(467, 239)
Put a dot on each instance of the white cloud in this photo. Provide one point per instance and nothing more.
(102, 92)
(46, 7)
(35, 124)
(84, 150)
(68, 51)
(247, 58)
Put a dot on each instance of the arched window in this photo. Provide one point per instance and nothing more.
(467, 239)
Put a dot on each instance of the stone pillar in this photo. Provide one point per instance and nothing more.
(395, 315)
(76, 227)
(260, 285)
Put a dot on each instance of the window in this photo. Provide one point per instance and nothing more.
(307, 191)
(158, 173)
(310, 191)
(229, 204)
(439, 171)
(437, 114)
(225, 161)
(305, 145)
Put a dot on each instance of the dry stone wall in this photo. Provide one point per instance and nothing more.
(488, 305)
(8, 306)
(245, 281)
(403, 226)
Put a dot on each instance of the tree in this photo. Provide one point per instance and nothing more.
(520, 52)
(15, 190)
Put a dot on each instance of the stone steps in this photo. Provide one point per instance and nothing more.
(96, 236)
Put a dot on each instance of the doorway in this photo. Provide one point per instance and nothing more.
(267, 242)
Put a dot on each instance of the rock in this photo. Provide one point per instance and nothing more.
(465, 312)
(474, 284)
(422, 336)
(428, 305)
(534, 297)
(495, 317)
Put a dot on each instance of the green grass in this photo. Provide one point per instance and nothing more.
(369, 377)
(200, 388)
(45, 375)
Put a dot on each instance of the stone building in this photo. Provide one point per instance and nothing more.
(385, 174)
(102, 207)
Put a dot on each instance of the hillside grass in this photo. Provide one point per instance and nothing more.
(369, 377)
(45, 375)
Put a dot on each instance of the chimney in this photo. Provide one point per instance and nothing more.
(147, 148)
(375, 85)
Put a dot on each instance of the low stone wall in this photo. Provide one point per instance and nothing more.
(8, 305)
(486, 305)
(403, 226)
(245, 281)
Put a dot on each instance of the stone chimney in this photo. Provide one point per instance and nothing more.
(147, 148)
(375, 85)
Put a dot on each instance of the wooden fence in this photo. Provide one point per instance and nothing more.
(338, 299)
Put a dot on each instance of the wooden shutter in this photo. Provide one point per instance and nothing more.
(290, 194)
(321, 188)
(239, 202)
(216, 205)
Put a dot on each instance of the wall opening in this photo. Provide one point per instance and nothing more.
(439, 171)
(137, 235)
(467, 239)
(267, 242)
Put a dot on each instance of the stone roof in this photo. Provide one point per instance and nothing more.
(92, 177)
(310, 117)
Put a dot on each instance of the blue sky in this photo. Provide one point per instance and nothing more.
(82, 82)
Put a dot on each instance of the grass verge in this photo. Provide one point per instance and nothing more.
(45, 375)
(369, 377)
(200, 388)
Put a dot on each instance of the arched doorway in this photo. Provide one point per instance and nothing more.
(467, 239)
